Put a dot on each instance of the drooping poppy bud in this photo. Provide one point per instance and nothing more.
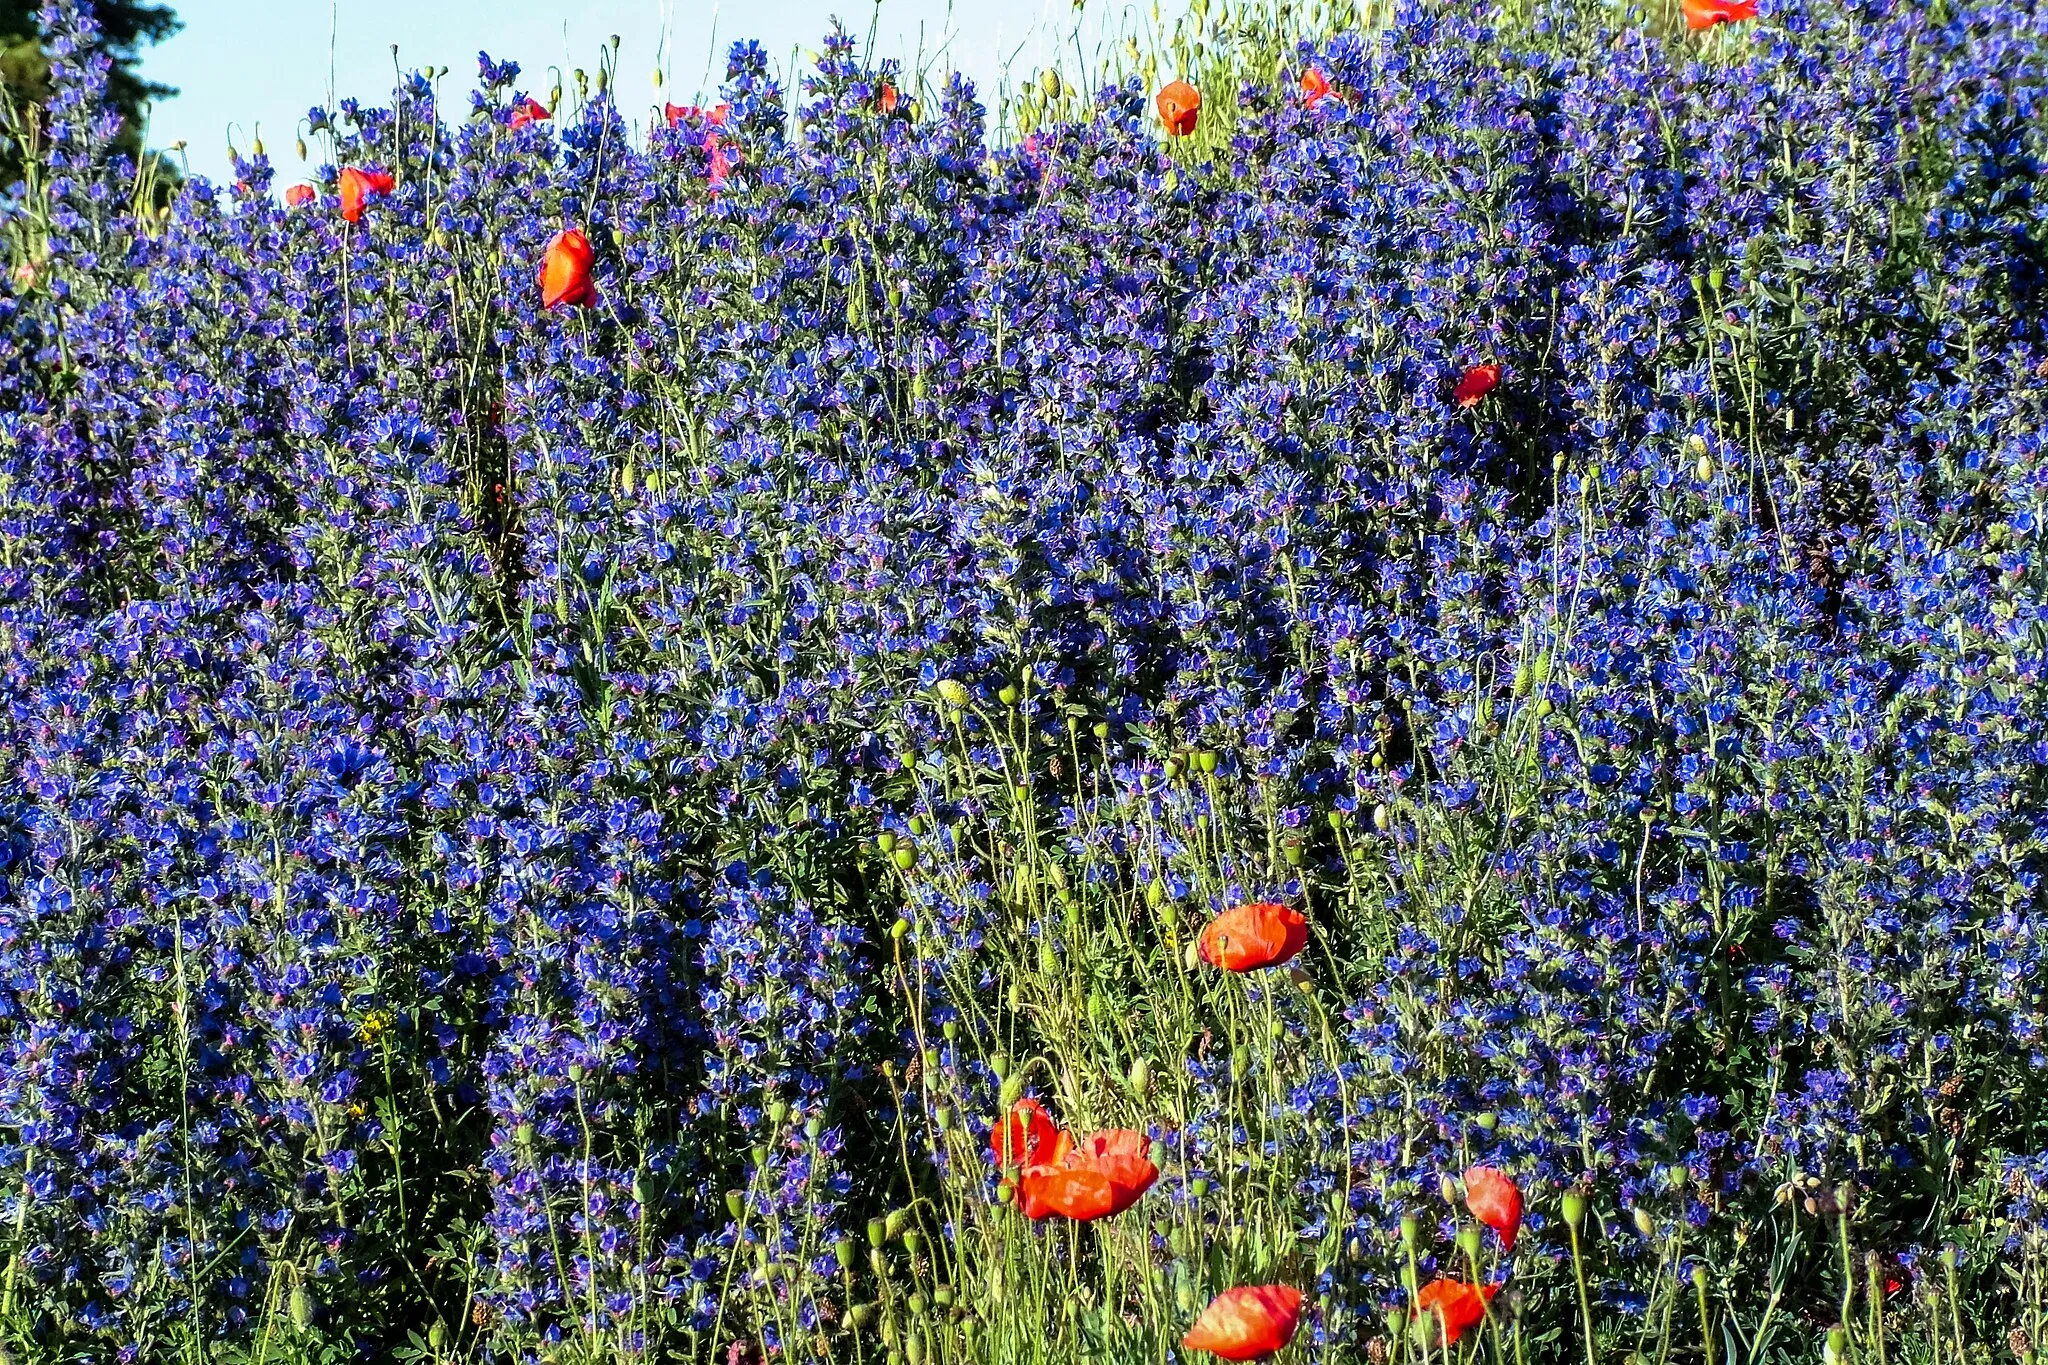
(565, 272)
(1705, 14)
(1496, 1201)
(529, 110)
(298, 196)
(1026, 1137)
(1264, 934)
(1475, 384)
(1247, 1323)
(1180, 104)
(1454, 1306)
(1315, 86)
(356, 188)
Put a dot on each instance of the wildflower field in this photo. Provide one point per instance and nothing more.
(1376, 690)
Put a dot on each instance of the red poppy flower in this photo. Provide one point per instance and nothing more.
(888, 99)
(1314, 86)
(1456, 1306)
(1253, 936)
(529, 110)
(356, 188)
(1247, 1323)
(1103, 1175)
(1027, 1137)
(565, 272)
(1477, 382)
(719, 158)
(1704, 14)
(1495, 1201)
(298, 196)
(1180, 104)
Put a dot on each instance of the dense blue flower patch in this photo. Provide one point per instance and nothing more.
(552, 834)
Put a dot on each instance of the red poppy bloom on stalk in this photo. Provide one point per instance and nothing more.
(529, 110)
(1314, 86)
(719, 158)
(1027, 1135)
(1247, 1323)
(1180, 105)
(888, 99)
(1456, 1306)
(1476, 383)
(565, 272)
(1253, 936)
(1102, 1175)
(298, 196)
(1705, 14)
(1495, 1201)
(356, 188)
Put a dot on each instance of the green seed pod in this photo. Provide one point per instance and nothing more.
(778, 1112)
(916, 824)
(942, 1295)
(913, 1349)
(999, 1066)
(913, 1241)
(1411, 1231)
(523, 1135)
(305, 1307)
(862, 1316)
(1206, 760)
(760, 1154)
(906, 858)
(437, 1336)
(842, 1252)
(1199, 1186)
(949, 1030)
(1574, 1205)
(1173, 769)
(1699, 1277)
(1468, 1242)
(942, 1117)
(1397, 1321)
(916, 1304)
(813, 1127)
(1007, 695)
(878, 1232)
(1100, 730)
(735, 1203)
(900, 928)
(1716, 278)
(885, 841)
(953, 692)
(576, 1073)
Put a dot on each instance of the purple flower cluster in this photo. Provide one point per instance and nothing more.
(526, 829)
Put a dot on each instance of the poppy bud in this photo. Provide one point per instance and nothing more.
(1448, 1189)
(1645, 1224)
(256, 147)
(1381, 820)
(1705, 469)
(1488, 1121)
(1140, 1077)
(861, 1316)
(1012, 1091)
(1699, 1277)
(735, 1202)
(1008, 695)
(304, 1307)
(1574, 1206)
(899, 928)
(1411, 1231)
(301, 145)
(878, 1261)
(896, 1224)
(1837, 1349)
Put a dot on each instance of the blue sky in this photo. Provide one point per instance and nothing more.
(250, 61)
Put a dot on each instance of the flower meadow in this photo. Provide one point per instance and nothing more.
(1378, 693)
